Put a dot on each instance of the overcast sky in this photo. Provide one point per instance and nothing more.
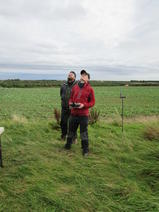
(113, 40)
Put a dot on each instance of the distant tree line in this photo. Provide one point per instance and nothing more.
(56, 83)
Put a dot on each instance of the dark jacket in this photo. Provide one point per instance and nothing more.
(65, 92)
(84, 95)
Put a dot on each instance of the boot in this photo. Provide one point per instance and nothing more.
(68, 144)
(85, 147)
(85, 152)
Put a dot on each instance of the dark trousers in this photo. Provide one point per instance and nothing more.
(74, 122)
(65, 114)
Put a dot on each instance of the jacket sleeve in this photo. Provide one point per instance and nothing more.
(71, 96)
(91, 100)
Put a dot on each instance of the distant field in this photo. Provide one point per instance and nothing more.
(38, 103)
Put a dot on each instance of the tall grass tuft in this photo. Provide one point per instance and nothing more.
(151, 133)
(19, 119)
(57, 116)
(116, 118)
(93, 116)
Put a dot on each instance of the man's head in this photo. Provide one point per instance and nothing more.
(71, 76)
(85, 77)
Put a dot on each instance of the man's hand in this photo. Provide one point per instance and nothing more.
(70, 107)
(81, 106)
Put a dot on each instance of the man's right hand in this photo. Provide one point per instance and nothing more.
(81, 106)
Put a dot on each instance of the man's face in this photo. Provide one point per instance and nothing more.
(84, 77)
(71, 77)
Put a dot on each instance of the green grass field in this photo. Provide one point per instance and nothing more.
(120, 174)
(38, 103)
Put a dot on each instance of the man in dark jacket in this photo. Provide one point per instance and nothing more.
(65, 110)
(81, 99)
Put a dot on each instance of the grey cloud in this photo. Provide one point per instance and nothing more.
(58, 35)
(39, 9)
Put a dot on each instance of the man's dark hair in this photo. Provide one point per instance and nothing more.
(73, 73)
(85, 72)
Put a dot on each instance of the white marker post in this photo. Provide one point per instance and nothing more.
(1, 131)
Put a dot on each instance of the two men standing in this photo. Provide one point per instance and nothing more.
(81, 99)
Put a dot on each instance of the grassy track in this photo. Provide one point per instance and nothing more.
(121, 173)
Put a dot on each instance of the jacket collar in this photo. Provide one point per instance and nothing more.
(85, 84)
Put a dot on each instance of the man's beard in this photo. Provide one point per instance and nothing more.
(70, 79)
